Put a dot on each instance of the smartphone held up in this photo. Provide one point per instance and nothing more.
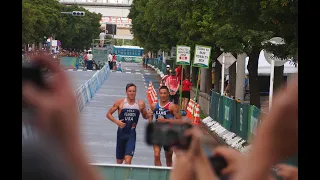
(168, 134)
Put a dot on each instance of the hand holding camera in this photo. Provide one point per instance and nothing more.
(203, 167)
(186, 141)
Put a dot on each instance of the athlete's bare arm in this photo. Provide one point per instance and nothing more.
(143, 110)
(114, 108)
(175, 111)
(152, 106)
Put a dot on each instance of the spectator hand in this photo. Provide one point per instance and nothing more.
(287, 172)
(56, 106)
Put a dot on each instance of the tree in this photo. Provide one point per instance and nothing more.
(141, 27)
(31, 16)
(236, 26)
(249, 23)
(283, 17)
(79, 31)
(190, 16)
(43, 18)
(237, 29)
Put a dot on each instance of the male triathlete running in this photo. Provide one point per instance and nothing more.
(164, 112)
(128, 112)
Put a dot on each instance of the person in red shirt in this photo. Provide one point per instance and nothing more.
(114, 62)
(186, 87)
(164, 78)
(173, 85)
(178, 72)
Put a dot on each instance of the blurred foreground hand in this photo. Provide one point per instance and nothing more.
(287, 172)
(192, 164)
(57, 115)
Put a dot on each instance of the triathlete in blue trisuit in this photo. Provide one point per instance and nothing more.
(128, 111)
(164, 112)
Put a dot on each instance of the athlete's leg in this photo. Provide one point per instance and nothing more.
(120, 150)
(157, 151)
(130, 147)
(168, 152)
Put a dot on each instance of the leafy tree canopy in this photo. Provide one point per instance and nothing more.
(43, 18)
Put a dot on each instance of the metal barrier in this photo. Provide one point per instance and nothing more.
(86, 92)
(158, 65)
(132, 172)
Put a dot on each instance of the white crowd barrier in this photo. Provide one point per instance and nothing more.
(86, 92)
(228, 137)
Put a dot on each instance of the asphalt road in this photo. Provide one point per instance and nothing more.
(99, 133)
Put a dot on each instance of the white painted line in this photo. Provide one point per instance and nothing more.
(147, 73)
(128, 72)
(138, 73)
(137, 70)
(89, 70)
(118, 71)
(70, 69)
(145, 87)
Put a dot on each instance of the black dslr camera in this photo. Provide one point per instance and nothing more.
(170, 134)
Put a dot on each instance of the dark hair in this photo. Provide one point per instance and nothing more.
(130, 85)
(164, 87)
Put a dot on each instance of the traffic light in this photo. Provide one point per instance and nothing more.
(78, 13)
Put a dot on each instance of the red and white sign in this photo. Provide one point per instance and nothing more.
(116, 20)
(183, 55)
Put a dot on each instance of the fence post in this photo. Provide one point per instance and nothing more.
(221, 110)
(234, 107)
